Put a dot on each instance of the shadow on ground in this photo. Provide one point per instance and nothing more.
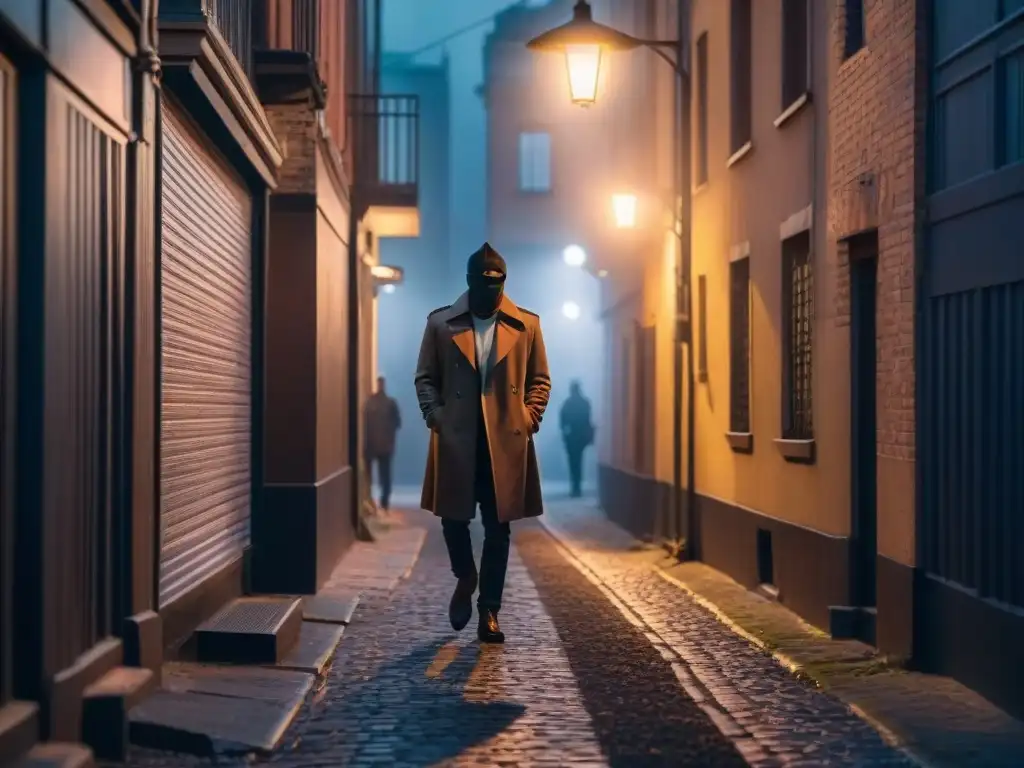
(419, 710)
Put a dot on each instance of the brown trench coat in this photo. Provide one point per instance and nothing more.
(514, 398)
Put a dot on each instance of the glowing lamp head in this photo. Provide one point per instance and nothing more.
(571, 310)
(574, 256)
(582, 40)
(388, 288)
(624, 207)
(583, 65)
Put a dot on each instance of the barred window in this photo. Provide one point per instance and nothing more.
(739, 346)
(798, 318)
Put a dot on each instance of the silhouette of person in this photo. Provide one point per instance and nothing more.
(577, 433)
(381, 422)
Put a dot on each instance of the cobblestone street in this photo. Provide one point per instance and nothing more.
(606, 664)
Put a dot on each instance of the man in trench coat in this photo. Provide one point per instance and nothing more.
(482, 382)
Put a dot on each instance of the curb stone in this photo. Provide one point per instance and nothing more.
(889, 736)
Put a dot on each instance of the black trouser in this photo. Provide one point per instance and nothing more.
(575, 455)
(494, 562)
(383, 476)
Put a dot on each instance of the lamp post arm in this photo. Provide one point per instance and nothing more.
(669, 51)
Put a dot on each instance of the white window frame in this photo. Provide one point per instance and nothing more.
(534, 161)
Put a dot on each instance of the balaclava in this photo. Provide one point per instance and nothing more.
(485, 276)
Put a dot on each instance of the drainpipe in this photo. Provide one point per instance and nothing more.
(683, 331)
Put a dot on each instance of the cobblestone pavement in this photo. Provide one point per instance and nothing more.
(584, 679)
(774, 717)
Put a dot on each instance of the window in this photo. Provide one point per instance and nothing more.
(534, 162)
(643, 400)
(798, 316)
(853, 35)
(739, 346)
(702, 327)
(701, 176)
(740, 88)
(626, 394)
(794, 51)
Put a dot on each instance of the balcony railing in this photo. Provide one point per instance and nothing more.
(386, 145)
(306, 27)
(233, 19)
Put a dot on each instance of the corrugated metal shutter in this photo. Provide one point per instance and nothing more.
(206, 315)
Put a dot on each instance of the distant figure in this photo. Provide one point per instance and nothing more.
(381, 422)
(483, 384)
(578, 433)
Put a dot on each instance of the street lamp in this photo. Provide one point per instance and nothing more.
(583, 41)
(574, 256)
(624, 207)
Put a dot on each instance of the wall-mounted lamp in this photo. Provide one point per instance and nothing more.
(385, 278)
(624, 208)
(571, 310)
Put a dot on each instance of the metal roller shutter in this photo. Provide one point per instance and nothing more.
(206, 357)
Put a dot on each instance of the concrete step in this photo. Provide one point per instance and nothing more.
(105, 706)
(251, 630)
(213, 709)
(315, 649)
(19, 729)
(57, 755)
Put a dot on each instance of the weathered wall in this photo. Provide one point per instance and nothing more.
(875, 122)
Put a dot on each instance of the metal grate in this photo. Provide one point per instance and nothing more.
(739, 346)
(252, 615)
(798, 302)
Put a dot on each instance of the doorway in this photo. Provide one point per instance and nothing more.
(863, 429)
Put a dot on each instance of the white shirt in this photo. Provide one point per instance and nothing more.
(483, 331)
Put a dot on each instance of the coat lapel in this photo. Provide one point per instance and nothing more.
(510, 326)
(461, 326)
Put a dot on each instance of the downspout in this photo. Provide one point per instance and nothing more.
(683, 332)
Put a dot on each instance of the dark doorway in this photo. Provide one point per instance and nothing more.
(863, 426)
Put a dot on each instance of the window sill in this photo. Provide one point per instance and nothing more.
(793, 109)
(796, 451)
(740, 442)
(739, 154)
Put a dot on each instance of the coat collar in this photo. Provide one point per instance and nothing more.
(510, 325)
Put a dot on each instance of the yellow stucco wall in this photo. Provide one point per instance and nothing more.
(748, 204)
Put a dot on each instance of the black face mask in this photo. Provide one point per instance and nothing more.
(485, 294)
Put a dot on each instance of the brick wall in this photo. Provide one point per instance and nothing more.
(876, 133)
(295, 126)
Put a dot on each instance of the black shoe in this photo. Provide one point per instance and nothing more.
(460, 609)
(489, 630)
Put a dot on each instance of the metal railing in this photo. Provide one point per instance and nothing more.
(233, 19)
(306, 27)
(386, 148)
